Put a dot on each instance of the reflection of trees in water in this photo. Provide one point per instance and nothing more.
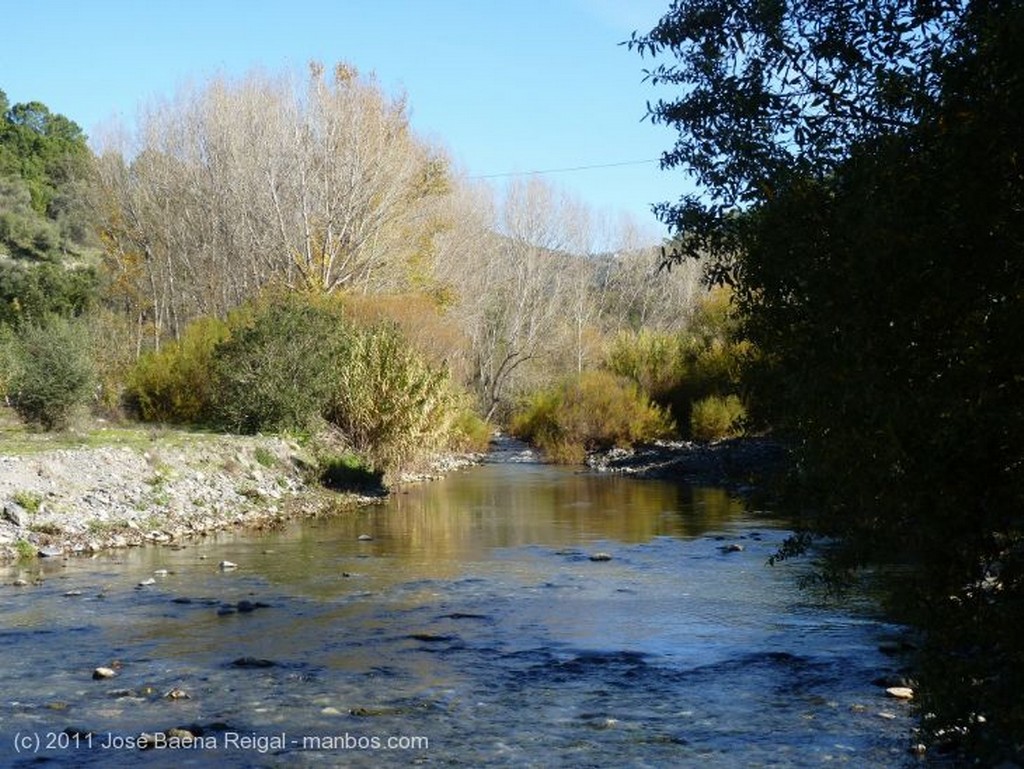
(456, 519)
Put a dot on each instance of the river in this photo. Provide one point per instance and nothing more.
(463, 623)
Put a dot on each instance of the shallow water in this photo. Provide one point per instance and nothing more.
(472, 630)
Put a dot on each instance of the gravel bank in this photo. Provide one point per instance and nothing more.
(180, 485)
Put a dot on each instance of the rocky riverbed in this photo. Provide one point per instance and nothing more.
(162, 489)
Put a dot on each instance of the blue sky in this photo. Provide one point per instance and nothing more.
(505, 85)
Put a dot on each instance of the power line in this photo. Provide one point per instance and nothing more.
(564, 170)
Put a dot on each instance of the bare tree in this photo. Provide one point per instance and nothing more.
(511, 296)
(238, 185)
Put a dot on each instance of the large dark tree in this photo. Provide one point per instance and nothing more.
(861, 176)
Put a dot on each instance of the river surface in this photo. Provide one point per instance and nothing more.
(473, 630)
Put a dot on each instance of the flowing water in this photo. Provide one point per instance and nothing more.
(472, 630)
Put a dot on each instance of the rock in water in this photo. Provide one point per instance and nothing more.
(228, 565)
(900, 692)
(601, 557)
(100, 673)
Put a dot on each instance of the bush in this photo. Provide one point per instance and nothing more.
(679, 370)
(392, 406)
(596, 410)
(278, 370)
(175, 384)
(9, 360)
(114, 339)
(54, 376)
(469, 431)
(716, 417)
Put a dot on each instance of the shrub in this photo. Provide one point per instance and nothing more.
(469, 431)
(114, 340)
(716, 417)
(654, 360)
(54, 376)
(595, 410)
(389, 402)
(678, 370)
(278, 370)
(9, 359)
(174, 384)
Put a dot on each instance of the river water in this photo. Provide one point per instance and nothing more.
(472, 630)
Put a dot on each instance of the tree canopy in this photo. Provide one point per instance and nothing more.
(861, 188)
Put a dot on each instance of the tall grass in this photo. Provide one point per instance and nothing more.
(391, 404)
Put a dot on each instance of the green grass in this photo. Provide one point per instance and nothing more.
(30, 500)
(25, 549)
(265, 456)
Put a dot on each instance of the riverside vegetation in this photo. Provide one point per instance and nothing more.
(377, 313)
(858, 168)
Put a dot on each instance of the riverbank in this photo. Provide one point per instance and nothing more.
(116, 487)
(740, 464)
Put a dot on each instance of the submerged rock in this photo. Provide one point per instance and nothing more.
(251, 663)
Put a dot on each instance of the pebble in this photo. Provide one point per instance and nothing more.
(103, 672)
(365, 538)
(147, 582)
(228, 565)
(177, 694)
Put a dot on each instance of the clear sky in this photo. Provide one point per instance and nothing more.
(505, 85)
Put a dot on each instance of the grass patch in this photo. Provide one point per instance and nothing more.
(265, 457)
(30, 500)
(349, 472)
(25, 549)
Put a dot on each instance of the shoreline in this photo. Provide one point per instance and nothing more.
(160, 487)
(142, 486)
(742, 465)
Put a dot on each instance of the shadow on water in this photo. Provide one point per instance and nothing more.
(474, 615)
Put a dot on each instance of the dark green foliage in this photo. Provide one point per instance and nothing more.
(592, 411)
(31, 292)
(42, 149)
(54, 374)
(277, 371)
(879, 270)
